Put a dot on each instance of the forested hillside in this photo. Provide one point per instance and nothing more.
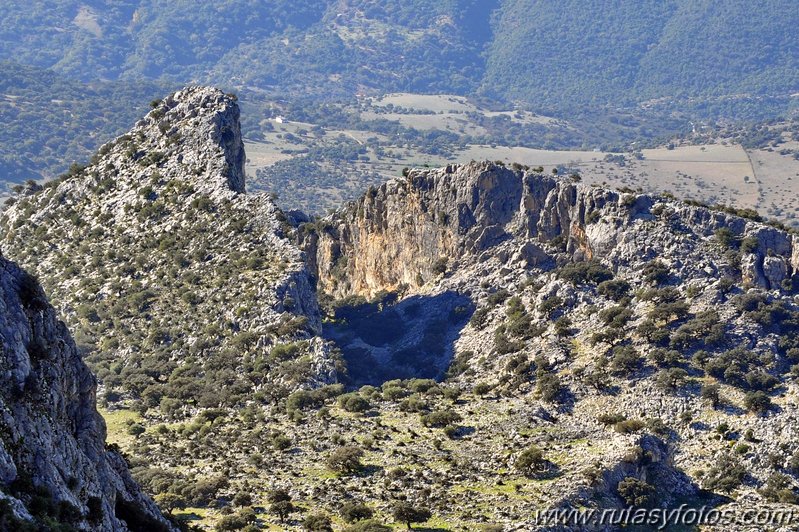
(50, 121)
(538, 52)
(585, 53)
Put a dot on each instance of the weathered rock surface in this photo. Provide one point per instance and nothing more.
(501, 238)
(398, 235)
(52, 442)
(168, 243)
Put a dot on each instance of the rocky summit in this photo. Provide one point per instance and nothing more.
(460, 347)
(54, 463)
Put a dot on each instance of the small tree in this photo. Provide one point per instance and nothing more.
(530, 461)
(710, 393)
(170, 502)
(671, 378)
(346, 459)
(242, 498)
(757, 402)
(281, 504)
(356, 511)
(407, 513)
(549, 387)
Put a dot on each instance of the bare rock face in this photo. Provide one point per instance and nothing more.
(400, 235)
(202, 124)
(53, 439)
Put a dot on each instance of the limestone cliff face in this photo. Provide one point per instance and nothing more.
(402, 234)
(52, 444)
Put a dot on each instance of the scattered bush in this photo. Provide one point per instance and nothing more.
(779, 488)
(441, 418)
(625, 360)
(346, 460)
(636, 492)
(368, 526)
(591, 271)
(629, 425)
(355, 511)
(656, 272)
(757, 402)
(531, 461)
(353, 402)
(317, 522)
(610, 419)
(615, 290)
(710, 393)
(671, 379)
(725, 475)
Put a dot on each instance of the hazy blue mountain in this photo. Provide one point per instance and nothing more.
(547, 54)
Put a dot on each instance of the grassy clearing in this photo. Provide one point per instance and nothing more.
(117, 423)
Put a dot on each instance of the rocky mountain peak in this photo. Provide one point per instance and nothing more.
(166, 238)
(53, 461)
(197, 127)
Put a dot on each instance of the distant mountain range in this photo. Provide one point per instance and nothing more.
(542, 53)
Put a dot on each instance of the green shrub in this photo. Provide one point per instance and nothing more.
(779, 488)
(355, 511)
(404, 512)
(725, 475)
(629, 425)
(625, 360)
(636, 493)
(368, 526)
(346, 460)
(549, 387)
(591, 271)
(749, 244)
(531, 461)
(656, 272)
(441, 418)
(726, 238)
(757, 402)
(671, 379)
(610, 418)
(615, 289)
(353, 402)
(317, 522)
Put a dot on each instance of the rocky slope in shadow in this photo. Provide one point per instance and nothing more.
(54, 464)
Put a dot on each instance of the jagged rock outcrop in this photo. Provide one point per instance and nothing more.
(53, 459)
(403, 233)
(171, 245)
(614, 307)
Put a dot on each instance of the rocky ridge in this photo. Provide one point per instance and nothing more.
(588, 322)
(588, 302)
(155, 246)
(54, 464)
(399, 235)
